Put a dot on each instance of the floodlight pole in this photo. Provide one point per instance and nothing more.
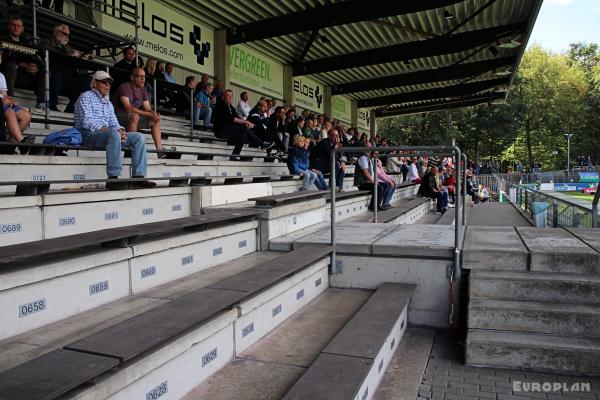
(568, 136)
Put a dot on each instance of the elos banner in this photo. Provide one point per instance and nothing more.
(308, 94)
(163, 33)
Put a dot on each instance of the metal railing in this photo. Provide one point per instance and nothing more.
(559, 212)
(442, 150)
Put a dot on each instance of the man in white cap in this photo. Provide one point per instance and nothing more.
(96, 120)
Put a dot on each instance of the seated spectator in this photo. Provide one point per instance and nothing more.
(290, 117)
(168, 73)
(322, 158)
(383, 177)
(413, 172)
(393, 163)
(277, 130)
(17, 118)
(124, 68)
(132, 105)
(203, 81)
(150, 70)
(259, 119)
(236, 130)
(298, 165)
(159, 73)
(295, 128)
(449, 184)
(273, 107)
(326, 127)
(243, 108)
(485, 194)
(218, 89)
(202, 106)
(429, 189)
(22, 69)
(364, 179)
(64, 78)
(96, 120)
(471, 188)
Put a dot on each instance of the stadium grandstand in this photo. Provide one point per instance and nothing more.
(196, 204)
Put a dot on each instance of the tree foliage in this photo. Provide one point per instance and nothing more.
(552, 94)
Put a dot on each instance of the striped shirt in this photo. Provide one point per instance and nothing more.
(93, 112)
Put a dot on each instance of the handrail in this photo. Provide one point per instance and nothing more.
(447, 150)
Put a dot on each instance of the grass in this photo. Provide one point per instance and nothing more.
(582, 196)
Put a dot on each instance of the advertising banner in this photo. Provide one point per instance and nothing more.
(571, 187)
(164, 34)
(341, 109)
(364, 119)
(256, 72)
(308, 94)
(588, 176)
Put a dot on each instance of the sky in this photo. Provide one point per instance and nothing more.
(561, 22)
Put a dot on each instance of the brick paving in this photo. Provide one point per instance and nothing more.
(495, 214)
(447, 378)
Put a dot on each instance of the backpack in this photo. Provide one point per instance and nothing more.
(68, 137)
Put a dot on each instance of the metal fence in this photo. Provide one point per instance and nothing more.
(559, 212)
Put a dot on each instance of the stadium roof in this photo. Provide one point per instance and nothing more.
(396, 57)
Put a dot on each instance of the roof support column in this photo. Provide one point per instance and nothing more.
(353, 114)
(288, 85)
(327, 102)
(372, 123)
(222, 57)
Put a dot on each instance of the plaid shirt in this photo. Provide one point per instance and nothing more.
(93, 112)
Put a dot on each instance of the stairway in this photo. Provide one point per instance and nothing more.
(538, 321)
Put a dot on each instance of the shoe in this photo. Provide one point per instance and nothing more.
(27, 139)
(145, 184)
(266, 145)
(162, 155)
(234, 158)
(41, 106)
(386, 207)
(113, 183)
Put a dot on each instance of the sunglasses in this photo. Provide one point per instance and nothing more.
(106, 81)
(67, 34)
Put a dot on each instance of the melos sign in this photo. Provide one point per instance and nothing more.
(164, 34)
(364, 119)
(308, 94)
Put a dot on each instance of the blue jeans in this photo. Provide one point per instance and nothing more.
(388, 194)
(204, 113)
(111, 142)
(311, 177)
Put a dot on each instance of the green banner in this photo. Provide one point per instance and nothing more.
(308, 94)
(364, 119)
(163, 33)
(341, 109)
(256, 72)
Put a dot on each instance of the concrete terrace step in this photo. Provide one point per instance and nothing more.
(566, 319)
(557, 250)
(509, 285)
(47, 289)
(515, 350)
(362, 349)
(267, 369)
(155, 356)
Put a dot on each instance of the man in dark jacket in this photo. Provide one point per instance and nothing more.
(236, 130)
(322, 158)
(430, 189)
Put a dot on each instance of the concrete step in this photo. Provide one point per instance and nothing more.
(567, 319)
(174, 366)
(564, 288)
(557, 250)
(545, 353)
(68, 285)
(267, 369)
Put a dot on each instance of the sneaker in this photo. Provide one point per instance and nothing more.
(266, 145)
(145, 184)
(386, 207)
(27, 139)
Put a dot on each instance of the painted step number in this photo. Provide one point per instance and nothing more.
(33, 307)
